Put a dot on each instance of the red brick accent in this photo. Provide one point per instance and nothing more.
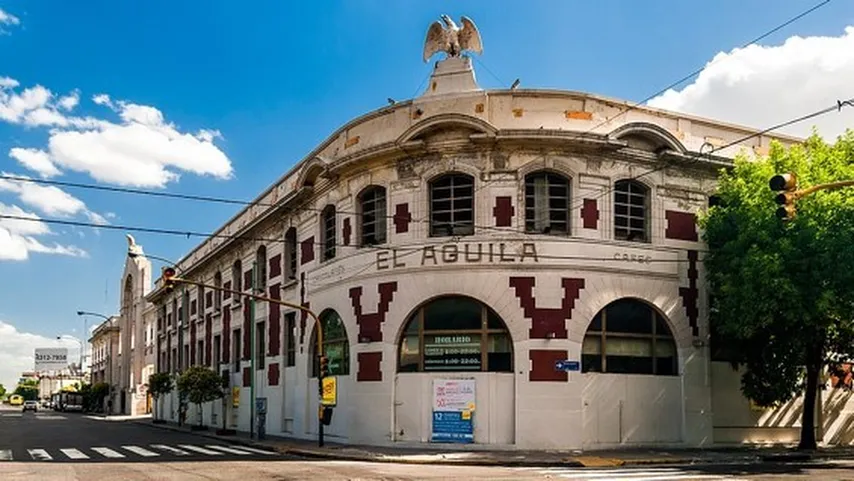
(247, 380)
(370, 325)
(370, 366)
(503, 211)
(402, 218)
(274, 332)
(547, 320)
(273, 374)
(681, 225)
(690, 295)
(227, 286)
(192, 360)
(543, 365)
(346, 230)
(275, 266)
(307, 251)
(208, 338)
(226, 336)
(590, 214)
(247, 334)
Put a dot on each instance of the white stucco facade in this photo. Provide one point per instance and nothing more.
(547, 288)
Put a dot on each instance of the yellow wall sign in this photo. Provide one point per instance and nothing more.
(330, 391)
(235, 396)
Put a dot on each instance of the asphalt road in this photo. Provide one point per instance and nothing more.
(49, 446)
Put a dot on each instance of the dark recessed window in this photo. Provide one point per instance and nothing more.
(546, 203)
(327, 232)
(631, 211)
(452, 205)
(372, 215)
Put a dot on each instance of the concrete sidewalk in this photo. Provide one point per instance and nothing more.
(460, 455)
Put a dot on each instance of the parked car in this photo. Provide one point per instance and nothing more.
(31, 406)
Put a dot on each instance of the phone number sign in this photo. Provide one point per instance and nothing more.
(51, 358)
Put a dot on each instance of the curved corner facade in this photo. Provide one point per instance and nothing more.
(525, 264)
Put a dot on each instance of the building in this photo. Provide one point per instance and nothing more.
(524, 263)
(103, 344)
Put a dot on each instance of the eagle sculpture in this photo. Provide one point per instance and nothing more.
(452, 39)
(134, 249)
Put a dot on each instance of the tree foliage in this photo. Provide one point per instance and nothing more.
(2, 391)
(782, 290)
(200, 385)
(159, 384)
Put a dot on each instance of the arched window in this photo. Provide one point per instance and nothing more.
(336, 347)
(327, 233)
(261, 269)
(372, 215)
(452, 205)
(291, 253)
(629, 336)
(546, 203)
(455, 333)
(236, 280)
(631, 211)
(217, 295)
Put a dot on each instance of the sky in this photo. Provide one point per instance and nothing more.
(212, 98)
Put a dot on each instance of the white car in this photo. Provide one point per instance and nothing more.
(31, 406)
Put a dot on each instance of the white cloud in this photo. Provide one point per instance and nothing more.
(47, 199)
(140, 149)
(17, 351)
(17, 237)
(7, 18)
(760, 86)
(35, 160)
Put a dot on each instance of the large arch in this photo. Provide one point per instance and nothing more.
(454, 333)
(336, 344)
(658, 137)
(630, 336)
(445, 121)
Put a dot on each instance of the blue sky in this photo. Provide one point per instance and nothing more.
(277, 78)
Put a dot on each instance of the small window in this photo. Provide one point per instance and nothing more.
(291, 333)
(455, 334)
(546, 203)
(631, 211)
(452, 205)
(236, 280)
(217, 353)
(629, 337)
(217, 292)
(235, 348)
(327, 232)
(291, 253)
(372, 205)
(261, 269)
(336, 347)
(260, 351)
(200, 353)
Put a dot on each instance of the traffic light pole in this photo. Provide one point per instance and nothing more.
(829, 186)
(170, 279)
(787, 186)
(252, 348)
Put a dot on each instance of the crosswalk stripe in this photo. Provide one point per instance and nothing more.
(176, 451)
(658, 474)
(141, 451)
(108, 453)
(74, 453)
(255, 450)
(199, 450)
(226, 449)
(5, 454)
(39, 454)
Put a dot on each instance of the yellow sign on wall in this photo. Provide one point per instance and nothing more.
(330, 391)
(235, 396)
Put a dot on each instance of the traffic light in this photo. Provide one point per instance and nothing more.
(325, 415)
(787, 185)
(324, 367)
(169, 279)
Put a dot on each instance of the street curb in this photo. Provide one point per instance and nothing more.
(588, 461)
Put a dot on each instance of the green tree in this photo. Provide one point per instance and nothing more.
(159, 384)
(2, 392)
(28, 391)
(782, 290)
(200, 385)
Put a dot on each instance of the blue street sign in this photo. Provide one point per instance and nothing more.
(567, 365)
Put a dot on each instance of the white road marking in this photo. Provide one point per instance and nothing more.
(5, 454)
(200, 450)
(108, 453)
(140, 451)
(256, 450)
(74, 453)
(631, 474)
(39, 454)
(176, 451)
(226, 449)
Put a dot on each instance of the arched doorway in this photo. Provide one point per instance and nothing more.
(632, 388)
(455, 338)
(336, 348)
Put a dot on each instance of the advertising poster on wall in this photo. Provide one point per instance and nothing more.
(453, 410)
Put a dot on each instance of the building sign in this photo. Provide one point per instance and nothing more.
(460, 253)
(444, 352)
(330, 391)
(51, 358)
(453, 410)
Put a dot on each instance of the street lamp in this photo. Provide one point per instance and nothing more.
(84, 315)
(66, 336)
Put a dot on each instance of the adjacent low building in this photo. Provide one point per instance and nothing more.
(513, 267)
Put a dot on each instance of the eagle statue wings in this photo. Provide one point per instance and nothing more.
(452, 39)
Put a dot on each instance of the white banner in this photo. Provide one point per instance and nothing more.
(51, 359)
(454, 395)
